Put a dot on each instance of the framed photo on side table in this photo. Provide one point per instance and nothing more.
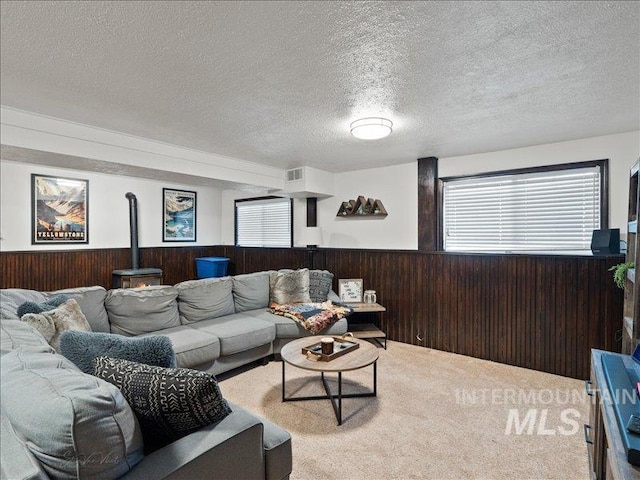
(350, 290)
(59, 210)
(179, 211)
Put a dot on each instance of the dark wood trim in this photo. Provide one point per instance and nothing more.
(541, 168)
(427, 204)
(312, 212)
(440, 194)
(292, 226)
(604, 192)
(252, 199)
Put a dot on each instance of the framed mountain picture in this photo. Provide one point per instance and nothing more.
(59, 210)
(179, 216)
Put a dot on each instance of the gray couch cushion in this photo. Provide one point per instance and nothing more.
(76, 425)
(192, 347)
(251, 291)
(287, 328)
(16, 460)
(134, 311)
(15, 333)
(238, 332)
(12, 298)
(91, 301)
(83, 347)
(320, 282)
(286, 286)
(204, 299)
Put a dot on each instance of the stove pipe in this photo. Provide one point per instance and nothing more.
(133, 227)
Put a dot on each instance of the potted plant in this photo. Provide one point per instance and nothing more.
(620, 273)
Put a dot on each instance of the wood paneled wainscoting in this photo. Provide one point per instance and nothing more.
(53, 270)
(533, 311)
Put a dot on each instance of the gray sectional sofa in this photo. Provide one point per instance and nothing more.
(214, 324)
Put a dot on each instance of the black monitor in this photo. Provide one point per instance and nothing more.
(606, 242)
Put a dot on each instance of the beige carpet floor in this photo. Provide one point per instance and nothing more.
(437, 415)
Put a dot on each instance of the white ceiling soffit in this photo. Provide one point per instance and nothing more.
(38, 157)
(278, 83)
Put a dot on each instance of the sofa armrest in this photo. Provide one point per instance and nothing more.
(229, 449)
(277, 450)
(333, 296)
(16, 461)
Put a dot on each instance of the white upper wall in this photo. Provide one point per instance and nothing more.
(621, 149)
(396, 186)
(108, 209)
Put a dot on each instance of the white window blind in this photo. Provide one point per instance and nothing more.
(541, 211)
(263, 223)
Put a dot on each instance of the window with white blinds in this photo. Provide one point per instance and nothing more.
(541, 210)
(264, 222)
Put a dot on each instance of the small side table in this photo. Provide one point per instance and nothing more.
(368, 331)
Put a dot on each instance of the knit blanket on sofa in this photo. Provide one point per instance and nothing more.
(311, 316)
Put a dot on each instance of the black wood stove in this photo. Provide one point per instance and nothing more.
(135, 276)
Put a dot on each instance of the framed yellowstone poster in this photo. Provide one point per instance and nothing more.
(59, 212)
(179, 216)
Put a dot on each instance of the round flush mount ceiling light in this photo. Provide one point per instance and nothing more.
(371, 128)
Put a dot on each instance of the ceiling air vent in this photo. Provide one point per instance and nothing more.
(294, 174)
(306, 182)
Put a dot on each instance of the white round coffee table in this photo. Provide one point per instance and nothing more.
(365, 355)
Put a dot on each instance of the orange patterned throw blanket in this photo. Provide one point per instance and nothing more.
(312, 316)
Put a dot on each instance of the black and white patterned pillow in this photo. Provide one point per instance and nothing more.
(168, 402)
(320, 282)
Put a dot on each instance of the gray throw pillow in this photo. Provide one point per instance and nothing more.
(320, 282)
(169, 402)
(50, 304)
(289, 286)
(82, 347)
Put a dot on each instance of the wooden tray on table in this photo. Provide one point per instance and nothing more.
(341, 346)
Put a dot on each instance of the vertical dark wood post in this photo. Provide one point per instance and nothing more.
(428, 204)
(312, 212)
(312, 221)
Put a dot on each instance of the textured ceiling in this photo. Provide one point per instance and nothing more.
(279, 82)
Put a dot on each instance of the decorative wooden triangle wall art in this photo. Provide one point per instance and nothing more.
(362, 207)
